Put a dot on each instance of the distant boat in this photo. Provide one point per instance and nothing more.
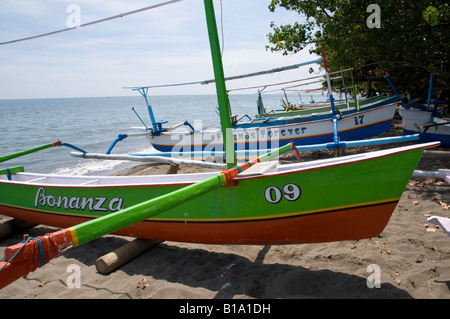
(429, 127)
(425, 120)
(350, 121)
(316, 127)
(305, 109)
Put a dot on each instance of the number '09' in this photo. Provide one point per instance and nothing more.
(290, 192)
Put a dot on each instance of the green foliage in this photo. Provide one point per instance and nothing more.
(412, 41)
(434, 15)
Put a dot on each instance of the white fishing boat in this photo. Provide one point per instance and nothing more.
(425, 120)
(319, 125)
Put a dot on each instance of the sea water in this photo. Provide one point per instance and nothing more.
(92, 124)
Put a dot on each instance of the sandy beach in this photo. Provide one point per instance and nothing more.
(410, 257)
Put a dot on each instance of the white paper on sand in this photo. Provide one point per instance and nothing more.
(441, 221)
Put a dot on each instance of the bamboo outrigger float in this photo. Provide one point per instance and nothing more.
(346, 198)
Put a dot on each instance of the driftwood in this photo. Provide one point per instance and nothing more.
(433, 154)
(13, 227)
(117, 258)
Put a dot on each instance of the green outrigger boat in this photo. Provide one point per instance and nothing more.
(256, 202)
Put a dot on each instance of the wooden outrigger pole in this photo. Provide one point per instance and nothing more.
(23, 258)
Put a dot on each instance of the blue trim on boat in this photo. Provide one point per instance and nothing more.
(301, 148)
(355, 134)
(430, 137)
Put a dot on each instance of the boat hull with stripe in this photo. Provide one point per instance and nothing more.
(429, 127)
(344, 198)
(274, 133)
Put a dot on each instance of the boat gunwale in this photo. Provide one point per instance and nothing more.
(344, 160)
(280, 170)
(279, 139)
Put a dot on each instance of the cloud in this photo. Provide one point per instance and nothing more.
(164, 45)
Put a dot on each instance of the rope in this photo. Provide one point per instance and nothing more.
(288, 82)
(121, 15)
(281, 69)
(41, 252)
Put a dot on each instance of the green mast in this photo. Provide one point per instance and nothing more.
(222, 97)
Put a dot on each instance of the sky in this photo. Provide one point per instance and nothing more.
(165, 45)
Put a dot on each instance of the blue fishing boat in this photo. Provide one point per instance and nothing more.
(317, 126)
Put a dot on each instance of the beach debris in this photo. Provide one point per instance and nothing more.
(441, 221)
(443, 204)
(42, 284)
(225, 286)
(417, 184)
(431, 229)
(421, 259)
(226, 269)
(433, 179)
(446, 206)
(142, 283)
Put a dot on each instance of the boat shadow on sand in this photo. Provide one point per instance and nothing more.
(225, 273)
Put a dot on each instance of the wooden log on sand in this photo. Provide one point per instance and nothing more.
(433, 154)
(110, 262)
(173, 169)
(13, 227)
(113, 260)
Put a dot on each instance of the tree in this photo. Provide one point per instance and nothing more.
(410, 40)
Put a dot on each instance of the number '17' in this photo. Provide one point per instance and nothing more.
(359, 119)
